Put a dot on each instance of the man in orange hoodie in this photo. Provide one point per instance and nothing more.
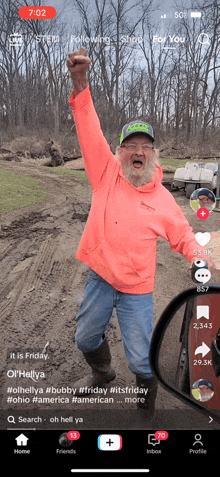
(130, 210)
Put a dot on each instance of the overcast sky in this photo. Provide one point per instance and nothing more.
(165, 7)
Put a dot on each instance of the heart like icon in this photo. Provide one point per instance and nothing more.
(202, 238)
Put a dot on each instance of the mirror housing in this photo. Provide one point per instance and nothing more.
(179, 338)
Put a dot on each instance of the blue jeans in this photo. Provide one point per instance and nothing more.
(135, 317)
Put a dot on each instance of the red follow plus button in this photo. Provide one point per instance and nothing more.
(161, 435)
(202, 213)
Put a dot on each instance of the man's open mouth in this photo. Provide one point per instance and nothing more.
(137, 164)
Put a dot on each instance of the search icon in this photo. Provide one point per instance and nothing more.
(203, 38)
(11, 419)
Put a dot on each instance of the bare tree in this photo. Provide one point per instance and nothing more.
(131, 74)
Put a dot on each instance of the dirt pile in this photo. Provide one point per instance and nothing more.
(33, 150)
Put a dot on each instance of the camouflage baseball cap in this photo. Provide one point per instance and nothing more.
(136, 127)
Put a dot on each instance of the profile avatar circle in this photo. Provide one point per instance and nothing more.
(202, 390)
(202, 202)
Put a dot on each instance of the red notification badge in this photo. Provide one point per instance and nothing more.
(161, 435)
(73, 435)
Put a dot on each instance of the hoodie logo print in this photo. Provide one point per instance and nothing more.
(143, 205)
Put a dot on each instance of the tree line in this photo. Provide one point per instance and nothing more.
(141, 67)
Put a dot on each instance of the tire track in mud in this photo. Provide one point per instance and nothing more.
(25, 276)
(15, 290)
(41, 293)
(42, 265)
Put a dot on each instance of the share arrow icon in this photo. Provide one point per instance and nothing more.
(204, 349)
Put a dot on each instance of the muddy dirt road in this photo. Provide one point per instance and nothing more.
(42, 286)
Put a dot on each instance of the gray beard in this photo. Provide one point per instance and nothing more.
(209, 207)
(137, 179)
(206, 397)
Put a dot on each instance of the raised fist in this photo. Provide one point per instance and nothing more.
(78, 63)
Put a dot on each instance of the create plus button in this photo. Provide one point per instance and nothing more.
(109, 442)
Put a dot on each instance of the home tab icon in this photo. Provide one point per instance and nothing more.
(21, 440)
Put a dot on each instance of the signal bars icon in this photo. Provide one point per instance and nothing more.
(165, 15)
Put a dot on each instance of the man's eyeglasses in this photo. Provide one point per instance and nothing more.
(205, 199)
(134, 147)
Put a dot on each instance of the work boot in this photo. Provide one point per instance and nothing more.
(99, 360)
(150, 384)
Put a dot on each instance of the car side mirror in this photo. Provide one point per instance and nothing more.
(185, 348)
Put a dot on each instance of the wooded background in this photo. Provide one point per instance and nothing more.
(131, 75)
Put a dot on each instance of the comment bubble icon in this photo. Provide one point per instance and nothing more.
(203, 275)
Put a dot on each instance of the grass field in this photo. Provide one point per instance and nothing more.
(17, 191)
(67, 172)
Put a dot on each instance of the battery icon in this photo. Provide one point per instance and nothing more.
(196, 14)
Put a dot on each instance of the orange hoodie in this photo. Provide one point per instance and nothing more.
(120, 237)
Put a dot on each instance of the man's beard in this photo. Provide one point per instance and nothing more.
(136, 178)
(208, 207)
(205, 397)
